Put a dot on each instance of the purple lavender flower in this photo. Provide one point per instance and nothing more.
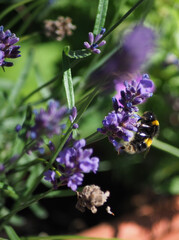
(18, 128)
(48, 122)
(75, 161)
(2, 167)
(51, 146)
(122, 123)
(135, 50)
(7, 48)
(119, 125)
(50, 177)
(93, 44)
(136, 92)
(14, 158)
(73, 116)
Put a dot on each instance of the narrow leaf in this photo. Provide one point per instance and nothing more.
(97, 136)
(122, 18)
(166, 147)
(34, 172)
(26, 124)
(67, 81)
(8, 190)
(44, 91)
(39, 211)
(77, 54)
(61, 193)
(101, 16)
(15, 91)
(11, 233)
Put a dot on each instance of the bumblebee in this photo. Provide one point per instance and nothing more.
(147, 130)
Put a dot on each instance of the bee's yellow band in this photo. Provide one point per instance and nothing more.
(148, 142)
(155, 122)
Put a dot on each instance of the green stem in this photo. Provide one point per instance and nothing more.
(166, 147)
(22, 206)
(122, 19)
(38, 89)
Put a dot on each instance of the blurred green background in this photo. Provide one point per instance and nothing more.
(158, 171)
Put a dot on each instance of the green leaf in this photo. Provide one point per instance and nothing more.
(23, 77)
(77, 54)
(101, 16)
(34, 173)
(61, 193)
(39, 211)
(25, 166)
(174, 185)
(97, 136)
(38, 89)
(67, 81)
(27, 124)
(147, 6)
(11, 233)
(40, 80)
(8, 190)
(166, 147)
(122, 18)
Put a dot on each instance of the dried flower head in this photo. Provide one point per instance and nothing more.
(91, 197)
(7, 48)
(59, 28)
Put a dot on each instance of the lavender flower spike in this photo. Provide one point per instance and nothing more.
(136, 48)
(119, 125)
(93, 44)
(136, 92)
(48, 122)
(7, 48)
(122, 123)
(75, 161)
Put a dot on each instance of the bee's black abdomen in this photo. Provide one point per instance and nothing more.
(148, 128)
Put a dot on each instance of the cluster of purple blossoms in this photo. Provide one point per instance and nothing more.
(122, 122)
(73, 162)
(136, 92)
(93, 44)
(47, 123)
(7, 48)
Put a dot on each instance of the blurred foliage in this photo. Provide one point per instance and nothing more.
(42, 60)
